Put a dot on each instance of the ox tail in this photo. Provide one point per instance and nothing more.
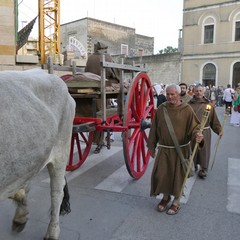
(65, 206)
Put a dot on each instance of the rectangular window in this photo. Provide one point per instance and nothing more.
(140, 52)
(124, 49)
(208, 33)
(237, 31)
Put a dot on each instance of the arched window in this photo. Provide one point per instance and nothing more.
(236, 27)
(209, 75)
(236, 74)
(208, 30)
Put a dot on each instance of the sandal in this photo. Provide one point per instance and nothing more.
(97, 149)
(173, 210)
(162, 206)
(202, 173)
(111, 140)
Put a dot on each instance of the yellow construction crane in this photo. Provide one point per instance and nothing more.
(49, 30)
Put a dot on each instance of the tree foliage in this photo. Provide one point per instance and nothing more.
(168, 49)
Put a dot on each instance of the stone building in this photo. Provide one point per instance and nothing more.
(80, 36)
(162, 68)
(211, 42)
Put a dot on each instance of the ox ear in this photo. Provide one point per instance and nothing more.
(65, 206)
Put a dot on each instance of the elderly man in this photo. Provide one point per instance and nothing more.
(167, 175)
(198, 104)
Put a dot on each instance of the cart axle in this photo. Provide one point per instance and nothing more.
(145, 124)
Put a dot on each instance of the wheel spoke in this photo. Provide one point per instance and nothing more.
(83, 141)
(133, 137)
(134, 113)
(135, 149)
(79, 147)
(148, 110)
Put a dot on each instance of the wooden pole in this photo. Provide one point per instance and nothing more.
(202, 125)
(219, 138)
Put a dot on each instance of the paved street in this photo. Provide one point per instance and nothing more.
(107, 204)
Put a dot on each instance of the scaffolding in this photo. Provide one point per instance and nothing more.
(49, 30)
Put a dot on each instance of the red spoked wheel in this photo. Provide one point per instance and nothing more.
(138, 115)
(80, 146)
(81, 143)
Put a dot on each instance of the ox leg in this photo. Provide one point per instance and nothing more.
(20, 217)
(56, 184)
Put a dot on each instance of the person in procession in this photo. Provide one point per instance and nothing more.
(235, 118)
(93, 65)
(190, 90)
(157, 88)
(184, 96)
(228, 98)
(198, 104)
(167, 175)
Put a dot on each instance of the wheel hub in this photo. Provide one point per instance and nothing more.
(145, 124)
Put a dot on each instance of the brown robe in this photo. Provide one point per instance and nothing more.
(186, 98)
(93, 66)
(167, 176)
(203, 154)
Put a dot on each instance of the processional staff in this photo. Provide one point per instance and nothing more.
(205, 117)
(219, 138)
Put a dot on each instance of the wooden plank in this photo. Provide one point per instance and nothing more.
(63, 68)
(83, 84)
(84, 127)
(82, 90)
(105, 64)
(92, 95)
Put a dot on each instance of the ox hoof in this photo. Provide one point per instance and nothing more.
(18, 227)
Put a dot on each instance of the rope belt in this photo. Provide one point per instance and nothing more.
(165, 146)
(206, 128)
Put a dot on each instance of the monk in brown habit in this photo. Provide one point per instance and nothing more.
(167, 175)
(198, 104)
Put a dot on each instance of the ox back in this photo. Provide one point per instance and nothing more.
(36, 116)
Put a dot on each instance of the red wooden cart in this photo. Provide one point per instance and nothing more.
(134, 124)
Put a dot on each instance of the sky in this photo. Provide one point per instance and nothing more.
(160, 19)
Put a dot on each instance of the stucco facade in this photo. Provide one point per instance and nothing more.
(211, 43)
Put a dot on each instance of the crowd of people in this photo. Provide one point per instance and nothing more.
(185, 106)
(212, 93)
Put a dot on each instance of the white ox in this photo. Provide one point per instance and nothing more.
(36, 116)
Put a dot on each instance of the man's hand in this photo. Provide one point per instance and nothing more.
(199, 137)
